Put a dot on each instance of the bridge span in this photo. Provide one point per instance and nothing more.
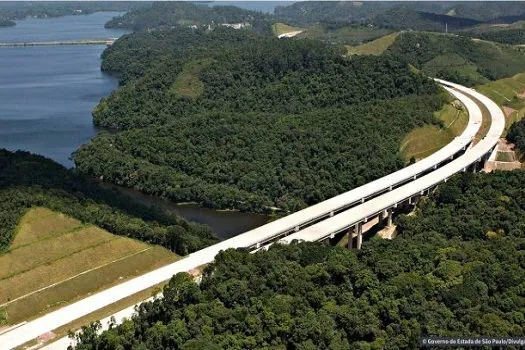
(107, 42)
(352, 220)
(314, 223)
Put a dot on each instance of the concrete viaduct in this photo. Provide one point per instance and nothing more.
(344, 213)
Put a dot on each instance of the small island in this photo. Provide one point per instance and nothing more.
(6, 22)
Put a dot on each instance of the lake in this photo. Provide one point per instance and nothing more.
(47, 95)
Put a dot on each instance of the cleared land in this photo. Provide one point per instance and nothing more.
(282, 28)
(424, 141)
(509, 94)
(376, 47)
(55, 259)
(187, 83)
(345, 35)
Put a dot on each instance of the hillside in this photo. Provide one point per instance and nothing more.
(55, 259)
(268, 122)
(28, 181)
(185, 14)
(457, 269)
(355, 11)
(375, 47)
(457, 58)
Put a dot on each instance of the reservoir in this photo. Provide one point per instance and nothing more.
(47, 94)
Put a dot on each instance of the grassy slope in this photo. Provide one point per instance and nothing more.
(375, 47)
(505, 92)
(344, 35)
(423, 141)
(188, 83)
(76, 259)
(461, 59)
(282, 28)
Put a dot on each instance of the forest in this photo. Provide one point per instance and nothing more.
(457, 58)
(422, 14)
(513, 36)
(28, 180)
(516, 135)
(257, 123)
(455, 274)
(181, 13)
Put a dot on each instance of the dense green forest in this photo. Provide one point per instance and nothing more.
(460, 272)
(28, 180)
(251, 122)
(133, 55)
(406, 18)
(516, 135)
(457, 58)
(169, 14)
(513, 36)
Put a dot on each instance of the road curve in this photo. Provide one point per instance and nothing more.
(361, 213)
(253, 238)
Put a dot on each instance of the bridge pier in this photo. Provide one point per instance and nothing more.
(359, 229)
(389, 218)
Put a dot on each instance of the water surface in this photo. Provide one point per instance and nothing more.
(47, 93)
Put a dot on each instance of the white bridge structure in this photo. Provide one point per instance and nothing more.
(343, 213)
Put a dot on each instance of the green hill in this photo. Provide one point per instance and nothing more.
(458, 58)
(457, 269)
(268, 123)
(28, 181)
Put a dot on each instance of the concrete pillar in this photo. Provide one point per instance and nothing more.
(359, 228)
(350, 236)
(389, 219)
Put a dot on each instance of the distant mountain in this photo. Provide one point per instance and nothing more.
(356, 11)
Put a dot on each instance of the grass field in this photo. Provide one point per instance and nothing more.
(55, 260)
(282, 28)
(349, 35)
(187, 83)
(424, 141)
(509, 92)
(505, 157)
(376, 47)
(452, 61)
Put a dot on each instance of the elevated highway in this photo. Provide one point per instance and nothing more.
(352, 220)
(388, 189)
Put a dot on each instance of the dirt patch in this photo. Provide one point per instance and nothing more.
(388, 232)
(505, 146)
(522, 94)
(508, 111)
(46, 337)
